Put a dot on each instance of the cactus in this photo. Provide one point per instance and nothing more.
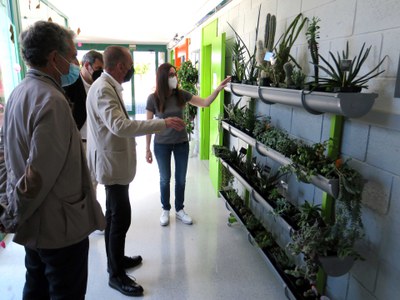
(269, 35)
(266, 46)
(282, 51)
(312, 35)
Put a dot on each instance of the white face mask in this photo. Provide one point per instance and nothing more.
(172, 82)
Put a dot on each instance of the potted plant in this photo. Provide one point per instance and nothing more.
(344, 72)
(244, 62)
(282, 50)
(188, 78)
(312, 35)
(323, 241)
(242, 117)
(264, 48)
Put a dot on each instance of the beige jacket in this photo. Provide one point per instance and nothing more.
(111, 142)
(49, 190)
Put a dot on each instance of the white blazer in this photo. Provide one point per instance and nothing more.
(111, 146)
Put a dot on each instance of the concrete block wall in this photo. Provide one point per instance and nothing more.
(372, 142)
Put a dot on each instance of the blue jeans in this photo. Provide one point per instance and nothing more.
(163, 153)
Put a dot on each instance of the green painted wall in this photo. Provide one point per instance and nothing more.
(212, 72)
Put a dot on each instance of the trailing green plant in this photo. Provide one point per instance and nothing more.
(188, 78)
(265, 239)
(348, 202)
(344, 73)
(309, 214)
(284, 207)
(312, 35)
(314, 236)
(318, 237)
(309, 161)
(276, 139)
(227, 178)
(282, 49)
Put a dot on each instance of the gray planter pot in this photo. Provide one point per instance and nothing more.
(335, 266)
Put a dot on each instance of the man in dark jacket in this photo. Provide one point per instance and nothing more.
(92, 66)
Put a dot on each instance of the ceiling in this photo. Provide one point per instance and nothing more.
(132, 21)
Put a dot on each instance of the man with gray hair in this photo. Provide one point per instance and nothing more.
(49, 201)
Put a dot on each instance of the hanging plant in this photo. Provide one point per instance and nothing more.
(188, 78)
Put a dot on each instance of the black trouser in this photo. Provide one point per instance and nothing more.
(118, 216)
(57, 274)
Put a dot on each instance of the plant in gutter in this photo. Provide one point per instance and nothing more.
(265, 48)
(244, 68)
(282, 50)
(344, 72)
(312, 35)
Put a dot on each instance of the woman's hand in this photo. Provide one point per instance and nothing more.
(149, 156)
(224, 83)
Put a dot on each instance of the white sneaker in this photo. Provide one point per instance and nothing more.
(184, 217)
(164, 219)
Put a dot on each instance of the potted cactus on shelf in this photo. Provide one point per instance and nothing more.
(265, 48)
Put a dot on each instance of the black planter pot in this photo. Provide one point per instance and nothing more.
(348, 89)
(265, 81)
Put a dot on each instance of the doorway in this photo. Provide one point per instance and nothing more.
(145, 61)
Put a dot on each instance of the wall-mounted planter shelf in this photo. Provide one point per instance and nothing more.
(330, 186)
(287, 290)
(256, 196)
(351, 105)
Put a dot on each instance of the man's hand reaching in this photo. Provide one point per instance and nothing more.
(175, 123)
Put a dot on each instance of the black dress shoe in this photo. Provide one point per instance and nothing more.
(131, 262)
(126, 285)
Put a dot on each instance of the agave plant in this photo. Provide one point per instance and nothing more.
(344, 73)
(238, 50)
(244, 62)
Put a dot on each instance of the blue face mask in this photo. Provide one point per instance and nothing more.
(71, 77)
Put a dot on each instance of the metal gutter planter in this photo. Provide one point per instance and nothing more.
(331, 186)
(290, 295)
(351, 105)
(256, 196)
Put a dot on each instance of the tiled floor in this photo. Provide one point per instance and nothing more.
(208, 260)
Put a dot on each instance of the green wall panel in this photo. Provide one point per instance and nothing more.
(212, 73)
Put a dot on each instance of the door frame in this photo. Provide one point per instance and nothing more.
(132, 48)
